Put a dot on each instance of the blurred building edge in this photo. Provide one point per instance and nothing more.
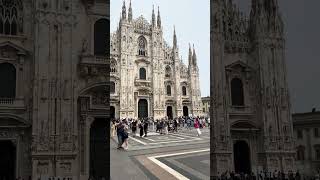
(206, 106)
(54, 95)
(252, 125)
(307, 135)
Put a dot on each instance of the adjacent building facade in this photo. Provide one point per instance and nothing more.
(54, 83)
(252, 124)
(206, 106)
(148, 78)
(307, 134)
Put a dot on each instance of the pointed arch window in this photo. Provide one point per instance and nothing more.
(8, 80)
(237, 96)
(142, 46)
(168, 90)
(184, 91)
(142, 73)
(11, 17)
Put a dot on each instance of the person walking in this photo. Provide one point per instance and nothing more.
(141, 128)
(175, 124)
(113, 128)
(125, 135)
(161, 126)
(166, 127)
(120, 129)
(145, 127)
(134, 127)
(197, 126)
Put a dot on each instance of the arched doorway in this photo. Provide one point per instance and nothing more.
(112, 112)
(185, 111)
(241, 152)
(169, 112)
(142, 108)
(99, 160)
(8, 160)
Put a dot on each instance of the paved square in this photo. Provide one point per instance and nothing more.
(182, 155)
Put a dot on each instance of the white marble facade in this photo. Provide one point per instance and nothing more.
(145, 68)
(251, 112)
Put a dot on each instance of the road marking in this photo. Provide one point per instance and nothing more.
(174, 141)
(149, 139)
(137, 140)
(176, 136)
(170, 170)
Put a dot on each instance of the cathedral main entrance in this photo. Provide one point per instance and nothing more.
(142, 108)
(99, 151)
(169, 112)
(8, 160)
(185, 111)
(241, 152)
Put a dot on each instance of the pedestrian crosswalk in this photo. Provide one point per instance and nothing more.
(154, 140)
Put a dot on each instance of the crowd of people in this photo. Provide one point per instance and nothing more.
(266, 175)
(163, 126)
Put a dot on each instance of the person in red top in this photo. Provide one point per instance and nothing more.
(197, 125)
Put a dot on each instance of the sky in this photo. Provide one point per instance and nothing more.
(302, 27)
(191, 19)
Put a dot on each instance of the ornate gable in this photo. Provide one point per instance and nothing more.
(239, 66)
(9, 50)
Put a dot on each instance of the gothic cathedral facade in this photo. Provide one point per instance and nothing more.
(252, 125)
(54, 74)
(148, 78)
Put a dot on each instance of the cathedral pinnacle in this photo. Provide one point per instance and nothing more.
(174, 37)
(153, 17)
(130, 13)
(194, 57)
(159, 19)
(124, 11)
(190, 56)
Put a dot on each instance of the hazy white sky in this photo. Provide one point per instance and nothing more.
(192, 21)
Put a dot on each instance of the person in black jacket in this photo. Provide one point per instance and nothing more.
(134, 127)
(141, 128)
(120, 129)
(145, 127)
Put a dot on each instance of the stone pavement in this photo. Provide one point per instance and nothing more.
(181, 155)
(122, 167)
